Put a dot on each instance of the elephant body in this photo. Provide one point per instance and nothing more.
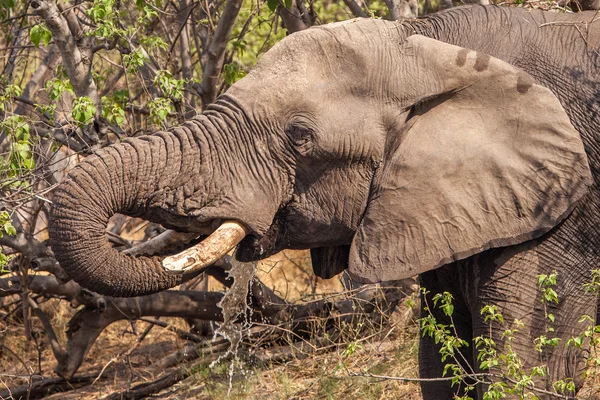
(462, 146)
(551, 49)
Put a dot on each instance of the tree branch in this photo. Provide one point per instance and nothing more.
(88, 323)
(47, 65)
(216, 52)
(72, 21)
(27, 245)
(293, 18)
(77, 61)
(57, 349)
(402, 9)
(169, 239)
(356, 9)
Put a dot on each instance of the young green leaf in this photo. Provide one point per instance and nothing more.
(40, 33)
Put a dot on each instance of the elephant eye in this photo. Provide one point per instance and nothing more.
(298, 134)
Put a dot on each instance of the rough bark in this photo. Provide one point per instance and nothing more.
(44, 387)
(216, 52)
(26, 244)
(296, 18)
(356, 8)
(99, 312)
(77, 61)
(146, 390)
(88, 323)
(76, 53)
(50, 286)
(402, 9)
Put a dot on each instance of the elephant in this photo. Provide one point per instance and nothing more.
(461, 147)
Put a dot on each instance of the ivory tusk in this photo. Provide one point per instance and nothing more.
(208, 251)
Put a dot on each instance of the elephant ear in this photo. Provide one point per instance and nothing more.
(488, 158)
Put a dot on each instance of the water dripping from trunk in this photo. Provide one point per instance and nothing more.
(235, 309)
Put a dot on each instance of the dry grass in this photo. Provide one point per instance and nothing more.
(334, 372)
(324, 374)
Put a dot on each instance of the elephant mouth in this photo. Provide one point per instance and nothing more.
(254, 248)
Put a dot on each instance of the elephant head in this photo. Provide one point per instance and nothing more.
(384, 152)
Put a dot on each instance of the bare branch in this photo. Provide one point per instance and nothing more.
(77, 61)
(87, 324)
(356, 9)
(50, 286)
(187, 71)
(42, 388)
(27, 245)
(183, 334)
(184, 14)
(18, 36)
(294, 17)
(64, 136)
(402, 9)
(167, 240)
(216, 52)
(57, 349)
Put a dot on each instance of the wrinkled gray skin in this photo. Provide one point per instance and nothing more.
(389, 154)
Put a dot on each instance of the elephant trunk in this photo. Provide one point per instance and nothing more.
(175, 178)
(116, 180)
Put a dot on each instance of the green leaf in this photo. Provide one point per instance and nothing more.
(13, 91)
(232, 73)
(10, 229)
(56, 87)
(8, 4)
(170, 86)
(272, 4)
(40, 33)
(287, 4)
(541, 279)
(101, 11)
(160, 108)
(576, 341)
(134, 60)
(23, 150)
(112, 111)
(6, 225)
(83, 111)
